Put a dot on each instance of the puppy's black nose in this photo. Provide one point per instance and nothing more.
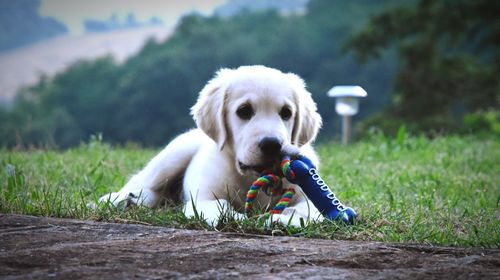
(270, 146)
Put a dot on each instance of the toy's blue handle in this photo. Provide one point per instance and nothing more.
(307, 177)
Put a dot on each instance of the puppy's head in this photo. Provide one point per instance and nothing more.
(253, 112)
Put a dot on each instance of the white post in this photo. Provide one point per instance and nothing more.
(347, 105)
(346, 129)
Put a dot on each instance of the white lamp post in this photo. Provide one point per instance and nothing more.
(347, 105)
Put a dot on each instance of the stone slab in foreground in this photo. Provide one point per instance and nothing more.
(48, 248)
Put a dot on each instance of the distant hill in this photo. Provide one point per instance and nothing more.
(113, 23)
(20, 24)
(233, 7)
(23, 66)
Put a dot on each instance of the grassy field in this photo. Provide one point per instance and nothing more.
(443, 191)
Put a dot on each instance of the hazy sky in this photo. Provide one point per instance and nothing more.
(74, 12)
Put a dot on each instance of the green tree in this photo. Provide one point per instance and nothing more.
(147, 99)
(66, 109)
(450, 57)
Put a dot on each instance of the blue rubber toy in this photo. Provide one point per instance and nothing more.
(301, 171)
(315, 188)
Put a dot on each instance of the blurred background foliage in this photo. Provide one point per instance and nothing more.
(449, 55)
(432, 65)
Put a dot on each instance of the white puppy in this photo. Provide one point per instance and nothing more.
(246, 118)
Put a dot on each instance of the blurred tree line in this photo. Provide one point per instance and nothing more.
(449, 53)
(147, 99)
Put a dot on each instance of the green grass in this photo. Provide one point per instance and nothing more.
(443, 191)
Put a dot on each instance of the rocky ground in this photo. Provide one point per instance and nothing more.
(48, 248)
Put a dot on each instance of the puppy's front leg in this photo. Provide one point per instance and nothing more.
(211, 185)
(145, 187)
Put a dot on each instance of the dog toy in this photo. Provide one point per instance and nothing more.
(301, 171)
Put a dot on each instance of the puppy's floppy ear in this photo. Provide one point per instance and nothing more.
(209, 112)
(307, 120)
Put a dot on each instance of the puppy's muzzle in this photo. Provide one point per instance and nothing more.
(270, 147)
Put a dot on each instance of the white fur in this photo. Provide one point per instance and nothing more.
(208, 157)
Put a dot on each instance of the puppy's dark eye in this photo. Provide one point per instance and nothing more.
(245, 112)
(286, 113)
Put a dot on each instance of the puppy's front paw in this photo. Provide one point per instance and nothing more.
(126, 199)
(291, 217)
(119, 200)
(286, 220)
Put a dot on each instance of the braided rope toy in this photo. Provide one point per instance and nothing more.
(301, 171)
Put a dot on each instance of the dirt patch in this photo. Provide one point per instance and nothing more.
(41, 248)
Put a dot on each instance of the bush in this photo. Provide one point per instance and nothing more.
(485, 121)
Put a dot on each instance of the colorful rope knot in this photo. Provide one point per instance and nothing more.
(270, 182)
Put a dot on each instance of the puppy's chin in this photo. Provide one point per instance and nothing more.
(245, 169)
(257, 169)
(257, 165)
